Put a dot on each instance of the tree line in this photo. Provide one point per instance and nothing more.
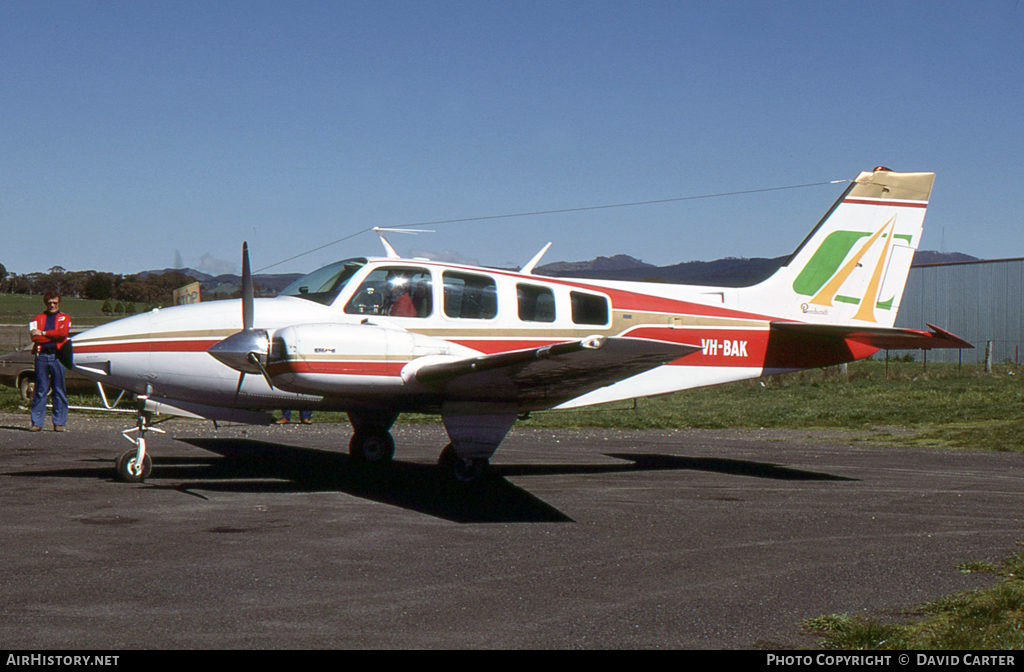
(153, 290)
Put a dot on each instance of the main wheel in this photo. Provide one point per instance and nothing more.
(374, 448)
(458, 469)
(126, 467)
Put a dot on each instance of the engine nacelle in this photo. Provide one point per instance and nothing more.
(347, 358)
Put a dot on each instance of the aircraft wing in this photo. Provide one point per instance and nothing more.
(879, 337)
(546, 376)
(186, 409)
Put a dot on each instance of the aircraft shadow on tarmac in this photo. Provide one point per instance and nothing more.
(249, 466)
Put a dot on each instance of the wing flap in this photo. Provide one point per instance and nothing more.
(546, 376)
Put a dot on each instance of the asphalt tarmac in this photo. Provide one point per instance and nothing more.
(270, 538)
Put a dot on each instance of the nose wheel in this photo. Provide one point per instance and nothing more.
(131, 470)
(135, 465)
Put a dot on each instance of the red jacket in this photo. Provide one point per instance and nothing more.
(58, 335)
(403, 307)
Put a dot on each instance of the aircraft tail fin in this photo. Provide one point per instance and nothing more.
(853, 267)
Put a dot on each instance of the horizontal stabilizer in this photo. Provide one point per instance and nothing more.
(542, 377)
(883, 338)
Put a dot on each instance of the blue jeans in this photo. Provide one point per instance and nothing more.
(49, 376)
(305, 415)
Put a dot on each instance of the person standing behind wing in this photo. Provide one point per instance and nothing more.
(286, 417)
(49, 333)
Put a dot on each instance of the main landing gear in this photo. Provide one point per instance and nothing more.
(461, 470)
(475, 429)
(374, 448)
(372, 444)
(377, 449)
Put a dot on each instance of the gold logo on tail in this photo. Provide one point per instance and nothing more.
(866, 312)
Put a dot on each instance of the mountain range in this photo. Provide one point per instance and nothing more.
(727, 272)
(267, 284)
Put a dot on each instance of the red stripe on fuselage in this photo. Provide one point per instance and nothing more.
(627, 301)
(896, 204)
(718, 347)
(337, 367)
(146, 346)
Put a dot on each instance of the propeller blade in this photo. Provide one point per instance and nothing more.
(238, 390)
(247, 291)
(242, 351)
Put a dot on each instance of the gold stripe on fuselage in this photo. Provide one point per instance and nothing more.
(197, 334)
(620, 325)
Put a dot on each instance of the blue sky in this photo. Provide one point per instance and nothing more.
(135, 133)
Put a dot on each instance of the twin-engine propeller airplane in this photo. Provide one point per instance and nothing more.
(376, 337)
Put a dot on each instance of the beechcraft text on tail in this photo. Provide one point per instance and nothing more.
(379, 336)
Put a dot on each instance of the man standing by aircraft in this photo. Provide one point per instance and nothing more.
(50, 332)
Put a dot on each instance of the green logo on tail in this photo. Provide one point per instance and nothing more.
(825, 273)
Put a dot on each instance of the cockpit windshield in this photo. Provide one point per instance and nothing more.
(324, 285)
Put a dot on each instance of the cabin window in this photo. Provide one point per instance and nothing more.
(536, 304)
(470, 297)
(395, 291)
(589, 308)
(324, 285)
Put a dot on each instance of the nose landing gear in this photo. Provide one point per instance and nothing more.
(134, 466)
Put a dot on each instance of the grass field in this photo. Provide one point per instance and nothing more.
(945, 407)
(17, 310)
(986, 619)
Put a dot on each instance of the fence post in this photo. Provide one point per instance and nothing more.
(988, 356)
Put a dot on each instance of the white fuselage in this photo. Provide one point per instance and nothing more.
(342, 351)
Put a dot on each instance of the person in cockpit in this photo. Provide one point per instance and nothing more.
(398, 302)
